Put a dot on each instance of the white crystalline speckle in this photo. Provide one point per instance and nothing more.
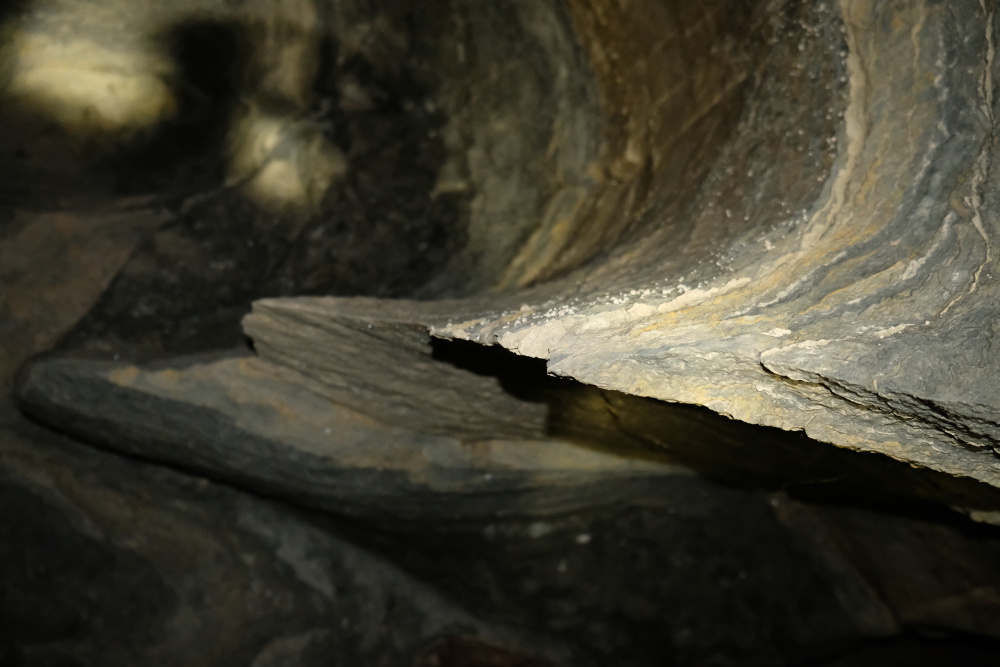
(777, 332)
(692, 296)
(812, 344)
(891, 331)
(564, 311)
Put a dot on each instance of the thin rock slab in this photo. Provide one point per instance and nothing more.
(109, 561)
(352, 351)
(537, 531)
(235, 418)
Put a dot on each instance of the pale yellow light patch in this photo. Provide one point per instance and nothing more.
(982, 516)
(285, 163)
(252, 140)
(278, 183)
(892, 331)
(88, 88)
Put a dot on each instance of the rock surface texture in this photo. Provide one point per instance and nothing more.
(830, 271)
(109, 561)
(527, 332)
(848, 289)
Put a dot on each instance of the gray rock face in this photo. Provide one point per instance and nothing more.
(780, 231)
(746, 253)
(860, 312)
(231, 417)
(109, 561)
(855, 305)
(532, 533)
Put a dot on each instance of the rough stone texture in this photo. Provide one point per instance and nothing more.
(109, 561)
(703, 605)
(714, 573)
(840, 539)
(778, 210)
(861, 313)
(351, 351)
(534, 548)
(855, 304)
(532, 534)
(231, 418)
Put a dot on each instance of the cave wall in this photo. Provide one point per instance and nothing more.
(551, 332)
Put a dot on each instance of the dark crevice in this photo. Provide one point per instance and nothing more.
(728, 451)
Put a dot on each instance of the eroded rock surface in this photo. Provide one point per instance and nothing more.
(757, 241)
(112, 561)
(864, 312)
